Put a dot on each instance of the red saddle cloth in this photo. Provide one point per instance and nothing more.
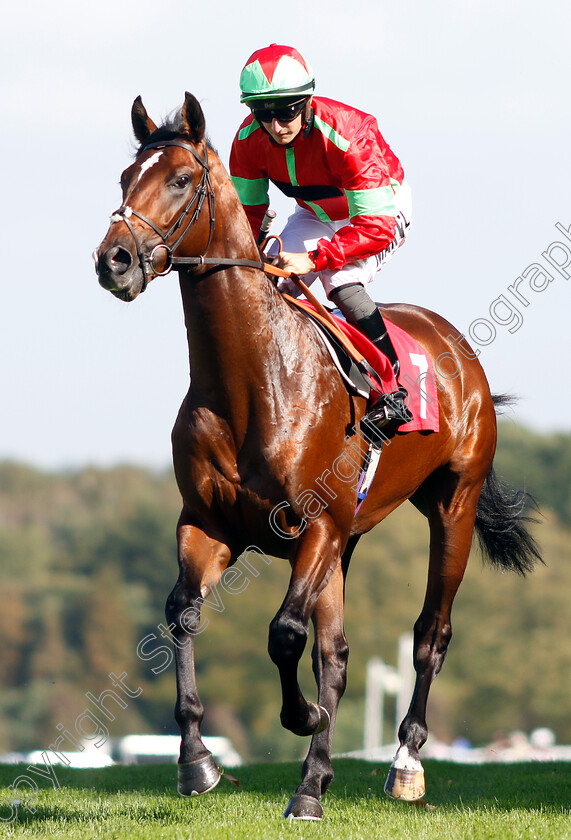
(416, 371)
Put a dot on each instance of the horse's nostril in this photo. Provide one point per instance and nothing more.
(118, 260)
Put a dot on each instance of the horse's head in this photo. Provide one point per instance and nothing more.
(163, 193)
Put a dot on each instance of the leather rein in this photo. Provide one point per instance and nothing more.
(203, 191)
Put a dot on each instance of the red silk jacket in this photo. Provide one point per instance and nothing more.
(338, 167)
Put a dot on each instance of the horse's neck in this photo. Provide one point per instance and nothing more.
(239, 328)
(229, 320)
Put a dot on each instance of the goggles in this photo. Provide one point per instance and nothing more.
(283, 114)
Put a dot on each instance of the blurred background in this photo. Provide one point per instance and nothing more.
(473, 99)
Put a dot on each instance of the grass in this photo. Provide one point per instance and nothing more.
(528, 800)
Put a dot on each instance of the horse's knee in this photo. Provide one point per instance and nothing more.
(182, 611)
(287, 639)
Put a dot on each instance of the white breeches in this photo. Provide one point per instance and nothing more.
(303, 230)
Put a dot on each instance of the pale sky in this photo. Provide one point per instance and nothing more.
(473, 97)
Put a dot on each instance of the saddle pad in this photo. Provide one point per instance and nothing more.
(416, 371)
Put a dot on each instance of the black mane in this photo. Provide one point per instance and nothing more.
(171, 129)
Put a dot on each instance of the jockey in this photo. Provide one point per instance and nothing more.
(353, 207)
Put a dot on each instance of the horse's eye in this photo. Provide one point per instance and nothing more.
(182, 182)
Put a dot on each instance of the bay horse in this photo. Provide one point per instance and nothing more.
(266, 414)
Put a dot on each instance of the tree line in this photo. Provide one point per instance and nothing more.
(89, 556)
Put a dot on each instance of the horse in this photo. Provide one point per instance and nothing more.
(267, 414)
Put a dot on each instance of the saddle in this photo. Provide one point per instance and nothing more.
(359, 376)
(368, 373)
(363, 368)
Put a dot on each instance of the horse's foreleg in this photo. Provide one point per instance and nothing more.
(316, 557)
(330, 653)
(451, 528)
(201, 560)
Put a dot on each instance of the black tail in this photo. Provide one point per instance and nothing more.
(502, 401)
(501, 521)
(501, 527)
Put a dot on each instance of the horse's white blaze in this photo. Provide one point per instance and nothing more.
(154, 158)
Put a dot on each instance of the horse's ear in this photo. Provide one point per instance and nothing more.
(192, 118)
(143, 126)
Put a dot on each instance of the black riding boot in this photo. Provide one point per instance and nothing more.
(356, 305)
(389, 410)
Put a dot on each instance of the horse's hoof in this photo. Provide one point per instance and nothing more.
(198, 776)
(319, 720)
(405, 784)
(302, 807)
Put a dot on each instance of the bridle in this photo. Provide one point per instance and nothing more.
(204, 190)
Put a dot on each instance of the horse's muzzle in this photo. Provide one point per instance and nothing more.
(118, 272)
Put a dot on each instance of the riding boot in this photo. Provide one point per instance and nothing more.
(374, 327)
(389, 411)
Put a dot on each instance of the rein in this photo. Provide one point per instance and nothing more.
(205, 190)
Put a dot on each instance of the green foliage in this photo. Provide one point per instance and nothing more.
(476, 803)
(89, 557)
(540, 463)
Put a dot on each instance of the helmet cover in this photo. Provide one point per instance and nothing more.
(276, 72)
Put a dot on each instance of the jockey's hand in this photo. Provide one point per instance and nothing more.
(296, 263)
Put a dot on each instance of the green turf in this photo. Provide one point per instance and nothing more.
(528, 800)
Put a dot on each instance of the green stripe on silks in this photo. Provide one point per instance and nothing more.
(248, 129)
(319, 211)
(379, 201)
(290, 161)
(329, 132)
(252, 190)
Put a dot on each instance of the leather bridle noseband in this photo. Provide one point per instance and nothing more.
(202, 191)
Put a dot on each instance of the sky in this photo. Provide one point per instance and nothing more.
(473, 97)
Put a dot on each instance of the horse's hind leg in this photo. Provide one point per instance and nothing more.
(451, 503)
(201, 560)
(330, 653)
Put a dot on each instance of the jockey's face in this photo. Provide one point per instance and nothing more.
(284, 132)
(282, 120)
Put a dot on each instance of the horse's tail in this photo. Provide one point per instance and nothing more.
(501, 521)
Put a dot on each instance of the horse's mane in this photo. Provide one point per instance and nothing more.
(172, 128)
